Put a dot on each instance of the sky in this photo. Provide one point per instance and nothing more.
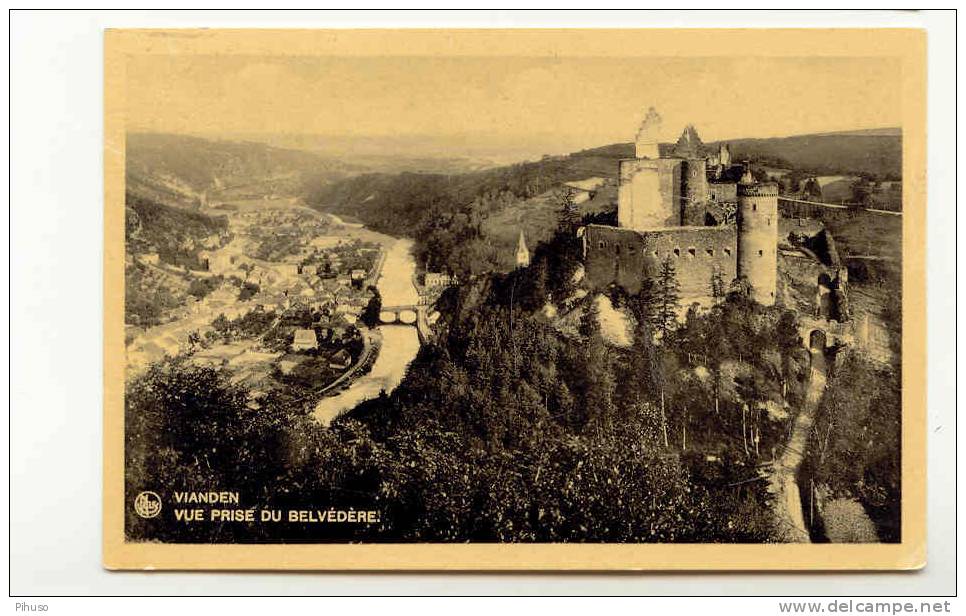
(544, 104)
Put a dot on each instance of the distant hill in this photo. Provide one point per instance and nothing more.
(178, 169)
(868, 132)
(877, 152)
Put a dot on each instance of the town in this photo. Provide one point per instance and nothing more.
(283, 297)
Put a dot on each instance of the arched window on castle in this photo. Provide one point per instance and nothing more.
(711, 252)
(692, 252)
(677, 252)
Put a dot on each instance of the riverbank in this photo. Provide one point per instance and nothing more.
(400, 343)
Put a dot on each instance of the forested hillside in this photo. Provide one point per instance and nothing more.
(174, 233)
(875, 154)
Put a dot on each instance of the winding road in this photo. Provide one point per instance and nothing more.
(783, 483)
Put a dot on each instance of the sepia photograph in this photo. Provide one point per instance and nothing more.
(467, 289)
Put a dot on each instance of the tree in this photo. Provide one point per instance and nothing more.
(811, 189)
(370, 315)
(787, 340)
(793, 181)
(568, 211)
(248, 291)
(668, 294)
(862, 190)
(718, 290)
(740, 290)
(221, 324)
(760, 174)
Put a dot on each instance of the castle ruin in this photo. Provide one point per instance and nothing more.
(706, 215)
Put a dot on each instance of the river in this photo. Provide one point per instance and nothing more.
(400, 343)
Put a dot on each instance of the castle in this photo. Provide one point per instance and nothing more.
(709, 217)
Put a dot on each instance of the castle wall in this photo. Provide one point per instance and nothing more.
(723, 193)
(625, 257)
(649, 193)
(758, 239)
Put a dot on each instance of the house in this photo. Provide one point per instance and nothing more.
(341, 360)
(348, 308)
(434, 280)
(151, 258)
(305, 340)
(217, 262)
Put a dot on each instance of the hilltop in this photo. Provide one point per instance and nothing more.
(875, 152)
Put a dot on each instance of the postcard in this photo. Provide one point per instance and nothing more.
(515, 299)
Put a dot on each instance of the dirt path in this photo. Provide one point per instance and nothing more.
(787, 502)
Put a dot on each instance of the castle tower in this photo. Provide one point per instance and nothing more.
(523, 254)
(648, 136)
(694, 192)
(758, 238)
(724, 155)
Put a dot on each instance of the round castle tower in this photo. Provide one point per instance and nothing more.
(758, 239)
(695, 194)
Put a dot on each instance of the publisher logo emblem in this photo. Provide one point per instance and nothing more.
(147, 504)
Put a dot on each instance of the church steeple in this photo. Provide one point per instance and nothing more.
(523, 253)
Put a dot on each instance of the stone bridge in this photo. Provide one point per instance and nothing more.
(420, 316)
(406, 314)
